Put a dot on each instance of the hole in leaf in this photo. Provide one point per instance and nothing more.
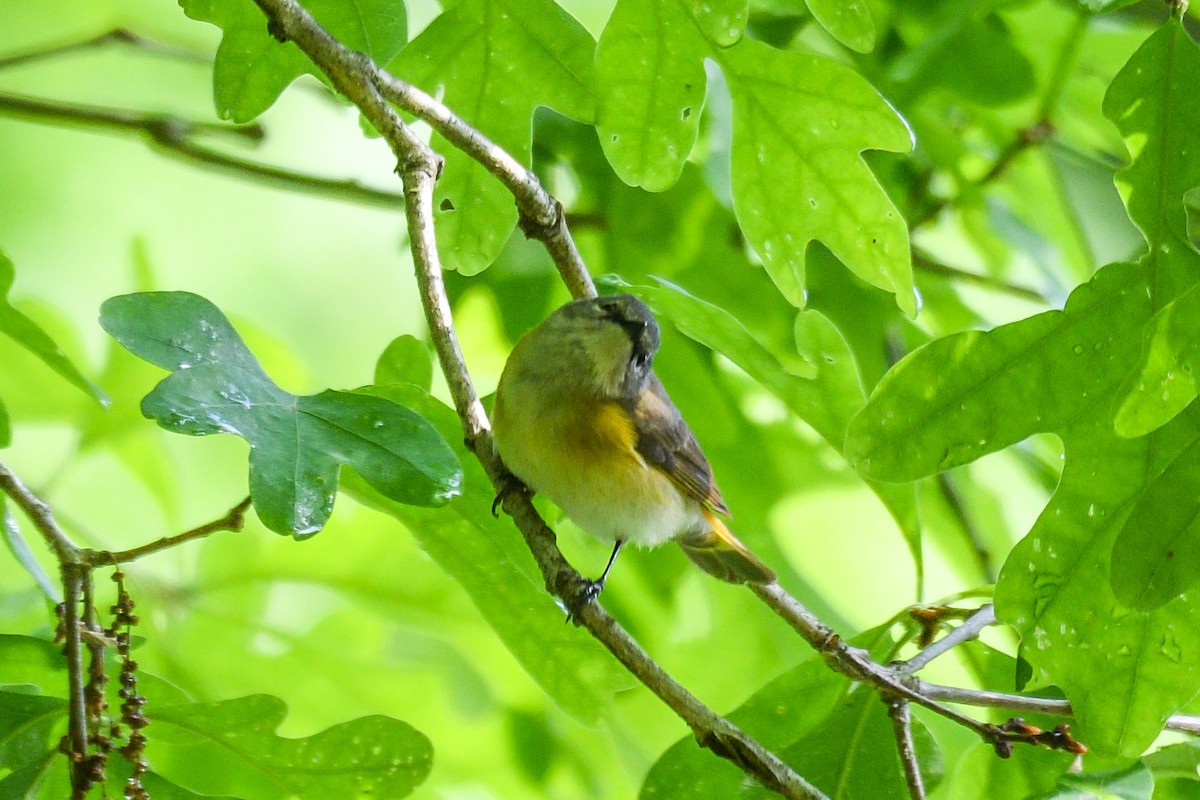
(446, 205)
(687, 112)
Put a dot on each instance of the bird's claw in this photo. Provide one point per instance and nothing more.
(589, 590)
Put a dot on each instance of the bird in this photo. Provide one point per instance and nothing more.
(581, 417)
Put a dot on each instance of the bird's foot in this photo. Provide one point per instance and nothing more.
(508, 485)
(587, 593)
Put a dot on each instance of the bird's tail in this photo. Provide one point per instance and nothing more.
(719, 553)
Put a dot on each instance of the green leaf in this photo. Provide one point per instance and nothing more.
(1154, 103)
(722, 21)
(815, 719)
(650, 76)
(1176, 761)
(28, 335)
(849, 22)
(1157, 552)
(1132, 783)
(230, 747)
(160, 788)
(297, 443)
(800, 124)
(977, 392)
(17, 545)
(26, 783)
(853, 752)
(966, 395)
(968, 50)
(31, 661)
(252, 69)
(497, 61)
(26, 722)
(489, 559)
(405, 360)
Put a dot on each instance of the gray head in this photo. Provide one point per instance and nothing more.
(614, 338)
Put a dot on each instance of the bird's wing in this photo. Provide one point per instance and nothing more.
(666, 442)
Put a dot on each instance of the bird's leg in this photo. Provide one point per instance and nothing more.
(592, 589)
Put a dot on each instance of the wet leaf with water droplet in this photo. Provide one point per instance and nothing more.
(298, 443)
(231, 748)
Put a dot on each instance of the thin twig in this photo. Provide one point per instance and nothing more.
(1027, 137)
(176, 137)
(985, 616)
(40, 515)
(926, 263)
(958, 509)
(901, 716)
(233, 520)
(856, 664)
(116, 36)
(1184, 723)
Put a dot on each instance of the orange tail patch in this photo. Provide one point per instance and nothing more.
(719, 553)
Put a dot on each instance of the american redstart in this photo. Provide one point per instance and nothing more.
(581, 418)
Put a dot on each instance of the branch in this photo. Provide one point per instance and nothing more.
(233, 520)
(364, 84)
(73, 577)
(901, 716)
(542, 216)
(40, 515)
(176, 137)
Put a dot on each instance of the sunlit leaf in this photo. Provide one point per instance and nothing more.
(650, 80)
(230, 747)
(810, 716)
(297, 443)
(849, 22)
(252, 68)
(800, 124)
(497, 61)
(1132, 783)
(1153, 102)
(405, 360)
(974, 393)
(26, 722)
(30, 336)
(15, 541)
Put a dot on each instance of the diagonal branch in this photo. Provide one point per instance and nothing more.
(360, 80)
